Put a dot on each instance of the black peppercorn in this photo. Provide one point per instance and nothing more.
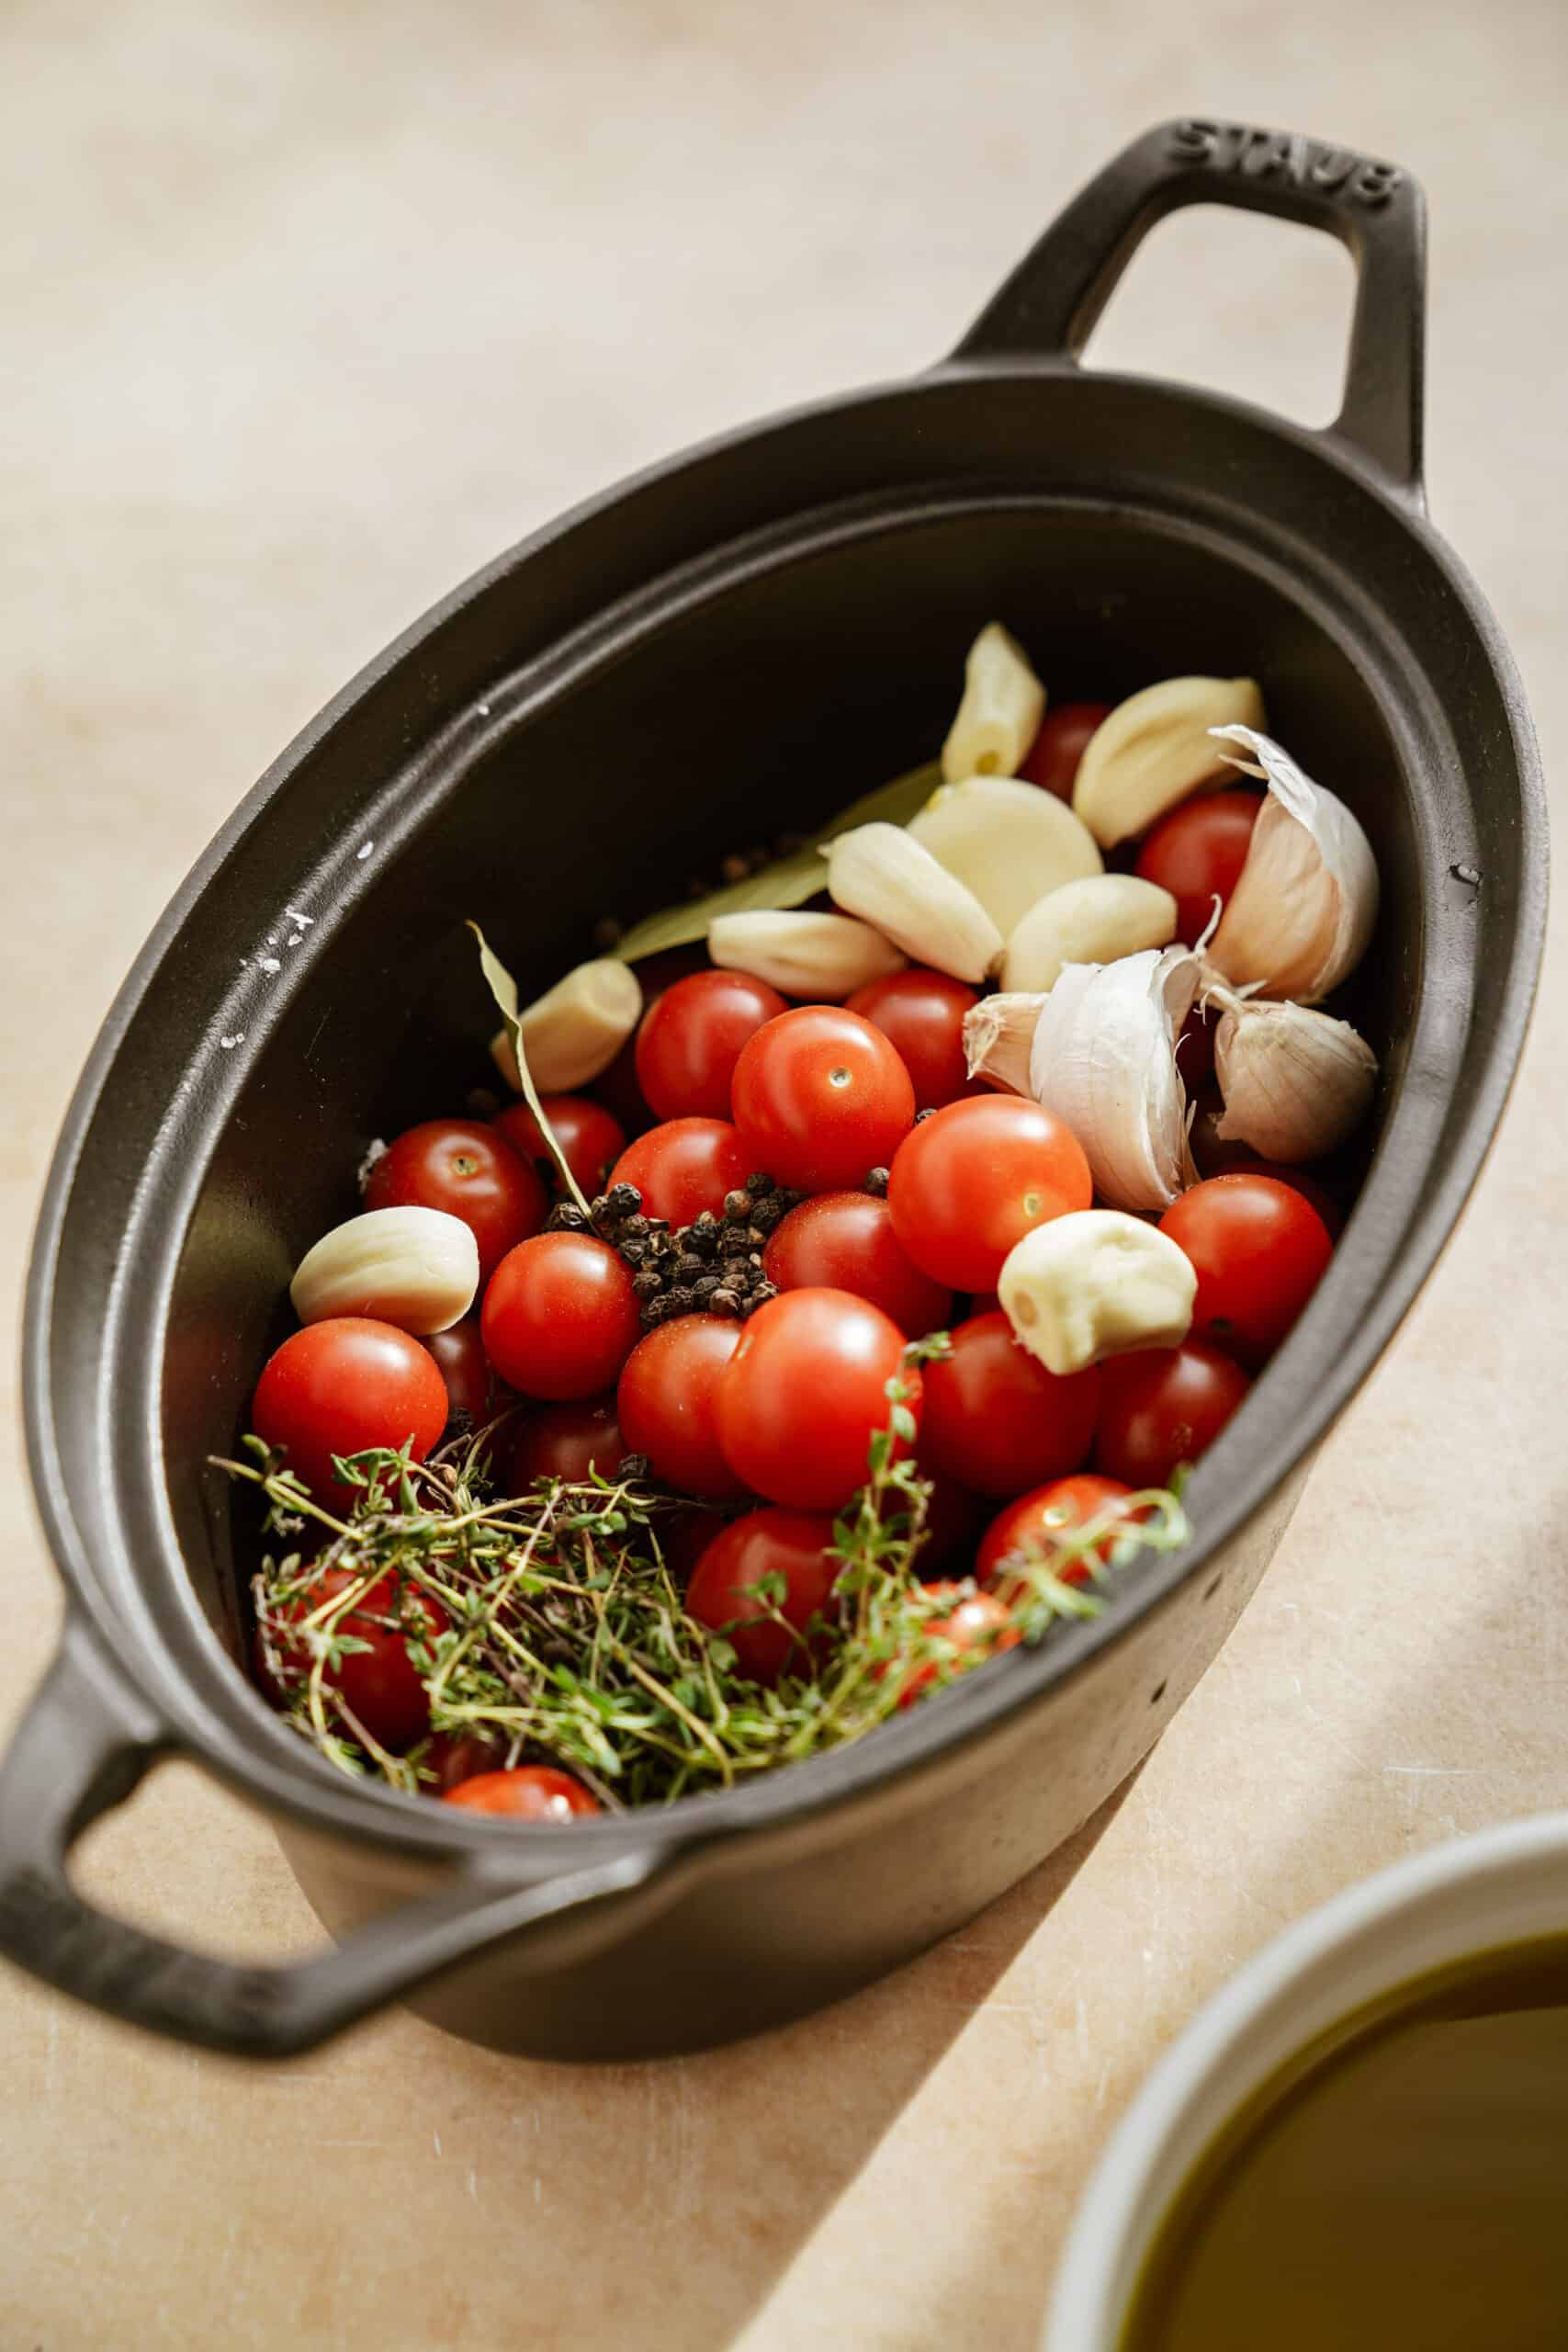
(688, 1266)
(759, 1186)
(704, 1289)
(876, 1182)
(766, 1215)
(622, 1200)
(737, 1207)
(725, 1300)
(680, 1299)
(648, 1285)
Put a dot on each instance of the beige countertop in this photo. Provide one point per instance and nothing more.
(309, 310)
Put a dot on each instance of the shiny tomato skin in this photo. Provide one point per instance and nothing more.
(971, 1180)
(690, 1041)
(572, 1441)
(1260, 1250)
(617, 1087)
(668, 1404)
(561, 1316)
(684, 1166)
(341, 1387)
(460, 1356)
(591, 1137)
(1026, 1528)
(453, 1756)
(380, 1685)
(528, 1793)
(1197, 853)
(799, 1399)
(1227, 1158)
(920, 1012)
(996, 1421)
(821, 1098)
(978, 1619)
(722, 1597)
(1164, 1407)
(846, 1241)
(1051, 760)
(471, 1171)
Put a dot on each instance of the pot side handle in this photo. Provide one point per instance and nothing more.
(1048, 306)
(85, 1744)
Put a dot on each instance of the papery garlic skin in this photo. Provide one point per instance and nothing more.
(417, 1268)
(823, 958)
(1007, 842)
(997, 1035)
(1296, 1083)
(1155, 748)
(574, 1031)
(1000, 713)
(1096, 1284)
(1104, 1060)
(1093, 921)
(882, 874)
(1301, 916)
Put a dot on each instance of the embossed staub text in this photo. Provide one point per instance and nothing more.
(1256, 154)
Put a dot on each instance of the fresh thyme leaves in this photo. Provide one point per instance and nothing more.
(552, 1627)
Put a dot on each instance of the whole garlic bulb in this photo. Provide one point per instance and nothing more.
(1301, 916)
(1104, 1060)
(1295, 1082)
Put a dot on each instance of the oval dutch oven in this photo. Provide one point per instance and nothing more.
(745, 637)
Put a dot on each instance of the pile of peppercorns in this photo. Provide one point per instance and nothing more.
(712, 1266)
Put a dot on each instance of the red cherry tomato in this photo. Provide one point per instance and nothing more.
(470, 1171)
(1260, 1250)
(380, 1684)
(341, 1387)
(723, 1595)
(1031, 1527)
(980, 1622)
(921, 1015)
(821, 1097)
(566, 1441)
(668, 1403)
(996, 1420)
(1197, 853)
(972, 1180)
(453, 1756)
(683, 1167)
(591, 1138)
(954, 1516)
(617, 1086)
(530, 1792)
(560, 1315)
(1164, 1407)
(470, 1383)
(1227, 1158)
(846, 1241)
(1051, 760)
(803, 1392)
(690, 1041)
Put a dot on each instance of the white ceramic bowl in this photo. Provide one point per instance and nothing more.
(1502, 1887)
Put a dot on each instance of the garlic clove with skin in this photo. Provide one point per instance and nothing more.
(1103, 1059)
(1155, 748)
(882, 874)
(1089, 922)
(1000, 713)
(1007, 841)
(997, 1035)
(1296, 1083)
(1096, 1284)
(1301, 916)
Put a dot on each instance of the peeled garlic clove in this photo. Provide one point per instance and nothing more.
(1155, 748)
(1301, 916)
(1296, 1083)
(574, 1031)
(1096, 1284)
(1000, 713)
(1008, 842)
(414, 1267)
(824, 957)
(997, 1035)
(1104, 1060)
(882, 874)
(1094, 920)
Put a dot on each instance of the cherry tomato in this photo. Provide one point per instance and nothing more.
(846, 1241)
(1164, 1407)
(1197, 853)
(380, 1684)
(922, 1014)
(461, 1353)
(568, 1442)
(1227, 1158)
(530, 1792)
(1030, 1528)
(820, 1098)
(954, 1516)
(470, 1171)
(1260, 1250)
(690, 1041)
(1051, 760)
(803, 1392)
(592, 1139)
(668, 1403)
(683, 1167)
(723, 1595)
(453, 1756)
(560, 1315)
(980, 1622)
(617, 1086)
(341, 1387)
(972, 1180)
(996, 1420)
(684, 1537)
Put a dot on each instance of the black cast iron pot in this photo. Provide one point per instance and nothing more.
(744, 638)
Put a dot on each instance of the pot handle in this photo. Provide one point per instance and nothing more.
(86, 1742)
(1048, 306)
